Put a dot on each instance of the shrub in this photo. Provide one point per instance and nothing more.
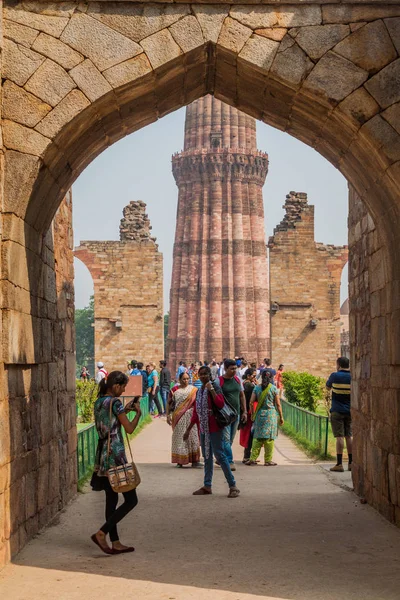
(303, 389)
(86, 394)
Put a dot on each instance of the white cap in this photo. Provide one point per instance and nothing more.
(100, 365)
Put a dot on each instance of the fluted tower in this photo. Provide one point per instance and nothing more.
(219, 299)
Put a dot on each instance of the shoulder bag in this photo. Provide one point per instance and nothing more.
(226, 415)
(122, 478)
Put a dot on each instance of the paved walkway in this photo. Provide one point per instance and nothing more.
(291, 535)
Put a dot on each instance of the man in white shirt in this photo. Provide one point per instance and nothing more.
(101, 372)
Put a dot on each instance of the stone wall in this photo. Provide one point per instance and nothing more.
(38, 469)
(128, 292)
(305, 292)
(374, 360)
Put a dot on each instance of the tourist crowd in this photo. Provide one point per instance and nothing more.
(206, 404)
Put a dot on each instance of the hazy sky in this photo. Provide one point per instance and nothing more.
(139, 168)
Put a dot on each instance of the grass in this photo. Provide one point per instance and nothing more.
(310, 449)
(83, 480)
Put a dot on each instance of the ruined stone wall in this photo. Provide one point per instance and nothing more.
(128, 292)
(374, 362)
(305, 292)
(38, 469)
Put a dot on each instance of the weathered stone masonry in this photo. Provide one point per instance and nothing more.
(128, 292)
(305, 292)
(79, 76)
(38, 471)
(219, 289)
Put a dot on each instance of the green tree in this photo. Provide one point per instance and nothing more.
(84, 327)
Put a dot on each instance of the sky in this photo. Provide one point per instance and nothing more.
(138, 167)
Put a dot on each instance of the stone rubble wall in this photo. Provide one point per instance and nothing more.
(38, 470)
(305, 287)
(375, 376)
(135, 226)
(128, 293)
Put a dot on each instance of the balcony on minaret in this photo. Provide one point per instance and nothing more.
(216, 139)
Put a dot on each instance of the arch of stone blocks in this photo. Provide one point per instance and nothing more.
(80, 76)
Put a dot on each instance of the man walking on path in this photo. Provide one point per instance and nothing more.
(232, 389)
(340, 384)
(165, 383)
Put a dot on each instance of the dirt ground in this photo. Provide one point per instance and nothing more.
(295, 533)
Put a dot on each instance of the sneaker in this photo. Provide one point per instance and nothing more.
(233, 467)
(337, 468)
(349, 467)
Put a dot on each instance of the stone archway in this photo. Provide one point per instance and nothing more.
(78, 77)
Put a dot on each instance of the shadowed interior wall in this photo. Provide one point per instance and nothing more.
(38, 472)
(374, 344)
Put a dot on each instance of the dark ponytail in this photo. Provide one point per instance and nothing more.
(114, 378)
(266, 379)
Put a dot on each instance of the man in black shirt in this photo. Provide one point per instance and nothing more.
(165, 384)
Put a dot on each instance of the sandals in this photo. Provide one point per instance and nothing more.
(116, 551)
(251, 463)
(202, 492)
(106, 549)
(233, 492)
(270, 464)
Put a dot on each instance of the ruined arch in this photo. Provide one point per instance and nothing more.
(89, 74)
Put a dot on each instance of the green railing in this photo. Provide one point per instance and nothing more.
(312, 427)
(87, 440)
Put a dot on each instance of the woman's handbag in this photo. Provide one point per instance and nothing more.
(226, 415)
(122, 478)
(149, 390)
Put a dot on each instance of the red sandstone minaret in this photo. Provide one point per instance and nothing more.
(219, 299)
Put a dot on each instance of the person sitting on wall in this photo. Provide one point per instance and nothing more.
(340, 383)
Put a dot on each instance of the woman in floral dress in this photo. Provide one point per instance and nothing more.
(183, 399)
(265, 418)
(110, 417)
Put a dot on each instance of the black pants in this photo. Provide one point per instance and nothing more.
(154, 398)
(113, 514)
(247, 451)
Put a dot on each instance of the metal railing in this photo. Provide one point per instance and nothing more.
(312, 427)
(87, 440)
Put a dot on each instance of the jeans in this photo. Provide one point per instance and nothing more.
(164, 391)
(216, 448)
(228, 437)
(153, 399)
(113, 514)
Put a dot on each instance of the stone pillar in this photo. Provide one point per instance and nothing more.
(38, 470)
(216, 309)
(374, 362)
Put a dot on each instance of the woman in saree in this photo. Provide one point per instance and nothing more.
(265, 418)
(183, 400)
